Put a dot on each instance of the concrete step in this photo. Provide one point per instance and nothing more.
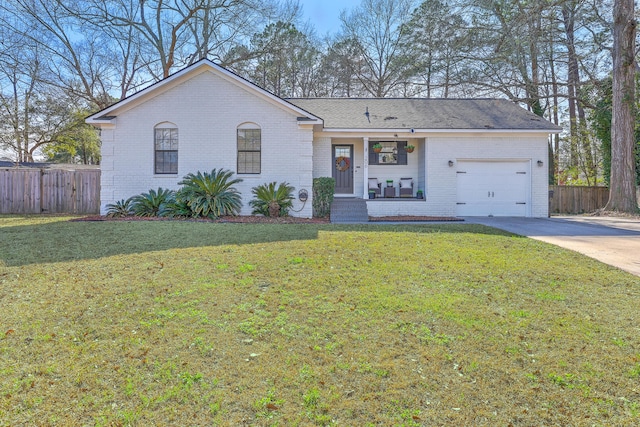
(349, 210)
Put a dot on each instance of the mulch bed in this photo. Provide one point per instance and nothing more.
(246, 219)
(255, 219)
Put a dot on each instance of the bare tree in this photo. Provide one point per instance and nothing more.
(20, 70)
(125, 64)
(219, 27)
(32, 113)
(75, 55)
(163, 24)
(176, 33)
(622, 190)
(50, 69)
(377, 26)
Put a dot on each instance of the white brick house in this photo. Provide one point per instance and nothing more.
(471, 157)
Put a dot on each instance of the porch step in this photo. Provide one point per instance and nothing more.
(349, 210)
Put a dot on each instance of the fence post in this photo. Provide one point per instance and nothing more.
(41, 191)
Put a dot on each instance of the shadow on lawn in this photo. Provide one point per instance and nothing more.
(68, 241)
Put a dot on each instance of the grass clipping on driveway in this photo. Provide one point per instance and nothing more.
(179, 323)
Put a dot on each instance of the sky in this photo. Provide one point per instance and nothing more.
(325, 14)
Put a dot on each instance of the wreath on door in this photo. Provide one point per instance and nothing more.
(342, 163)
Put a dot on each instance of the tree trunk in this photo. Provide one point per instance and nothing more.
(572, 75)
(580, 141)
(622, 194)
(274, 209)
(554, 161)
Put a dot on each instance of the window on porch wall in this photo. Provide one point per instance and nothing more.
(393, 153)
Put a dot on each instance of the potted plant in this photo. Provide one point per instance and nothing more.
(410, 148)
(377, 147)
(372, 194)
(419, 194)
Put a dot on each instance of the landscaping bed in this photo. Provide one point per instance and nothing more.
(258, 219)
(240, 219)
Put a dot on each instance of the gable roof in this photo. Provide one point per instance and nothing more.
(107, 115)
(423, 114)
(349, 113)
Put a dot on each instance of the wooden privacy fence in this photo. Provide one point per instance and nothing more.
(573, 199)
(34, 191)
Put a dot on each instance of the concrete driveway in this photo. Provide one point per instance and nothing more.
(612, 240)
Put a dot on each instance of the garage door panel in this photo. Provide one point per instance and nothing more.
(492, 209)
(498, 188)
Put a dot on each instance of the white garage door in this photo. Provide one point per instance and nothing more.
(498, 188)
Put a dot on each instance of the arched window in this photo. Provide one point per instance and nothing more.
(166, 148)
(249, 148)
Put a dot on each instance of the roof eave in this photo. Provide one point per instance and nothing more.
(309, 121)
(417, 131)
(102, 121)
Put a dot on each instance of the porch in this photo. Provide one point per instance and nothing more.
(392, 168)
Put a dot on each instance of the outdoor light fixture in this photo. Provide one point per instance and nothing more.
(450, 163)
(540, 163)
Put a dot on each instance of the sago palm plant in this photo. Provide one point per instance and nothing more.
(119, 209)
(271, 200)
(211, 195)
(151, 203)
(177, 207)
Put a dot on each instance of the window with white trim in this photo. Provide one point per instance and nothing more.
(249, 149)
(165, 148)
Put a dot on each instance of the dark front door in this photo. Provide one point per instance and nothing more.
(343, 168)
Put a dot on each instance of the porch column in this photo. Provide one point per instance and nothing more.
(365, 169)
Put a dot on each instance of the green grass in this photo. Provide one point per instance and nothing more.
(188, 323)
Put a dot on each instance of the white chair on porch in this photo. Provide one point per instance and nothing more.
(406, 187)
(374, 186)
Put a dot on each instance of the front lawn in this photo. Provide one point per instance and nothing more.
(187, 323)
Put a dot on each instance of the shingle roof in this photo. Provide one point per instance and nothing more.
(420, 113)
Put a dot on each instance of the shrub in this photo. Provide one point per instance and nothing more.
(151, 203)
(177, 207)
(211, 194)
(119, 209)
(271, 200)
(323, 189)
